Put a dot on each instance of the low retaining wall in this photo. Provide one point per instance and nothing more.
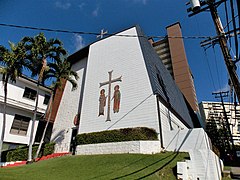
(133, 147)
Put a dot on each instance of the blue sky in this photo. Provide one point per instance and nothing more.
(115, 15)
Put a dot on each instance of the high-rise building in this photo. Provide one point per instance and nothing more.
(172, 53)
(213, 111)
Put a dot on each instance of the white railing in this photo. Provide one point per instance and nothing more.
(14, 102)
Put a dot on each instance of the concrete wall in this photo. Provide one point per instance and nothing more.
(185, 140)
(132, 147)
(204, 164)
(69, 107)
(138, 107)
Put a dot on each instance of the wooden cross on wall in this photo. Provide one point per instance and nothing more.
(109, 83)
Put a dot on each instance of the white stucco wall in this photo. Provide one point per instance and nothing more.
(13, 138)
(68, 108)
(204, 164)
(132, 147)
(186, 140)
(138, 106)
(17, 104)
(16, 91)
(169, 120)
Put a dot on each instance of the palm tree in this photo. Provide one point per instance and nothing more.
(12, 64)
(60, 71)
(39, 51)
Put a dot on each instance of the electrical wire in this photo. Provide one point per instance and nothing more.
(234, 28)
(216, 64)
(94, 33)
(209, 69)
(238, 6)
(226, 14)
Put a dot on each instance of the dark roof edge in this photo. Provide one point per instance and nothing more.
(174, 24)
(79, 54)
(34, 81)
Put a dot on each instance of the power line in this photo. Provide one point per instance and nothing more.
(234, 28)
(216, 64)
(227, 19)
(95, 34)
(209, 69)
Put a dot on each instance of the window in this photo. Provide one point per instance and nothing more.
(30, 93)
(20, 125)
(46, 99)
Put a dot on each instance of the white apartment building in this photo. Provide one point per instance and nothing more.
(21, 99)
(214, 110)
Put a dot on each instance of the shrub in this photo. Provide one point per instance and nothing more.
(48, 149)
(21, 153)
(127, 134)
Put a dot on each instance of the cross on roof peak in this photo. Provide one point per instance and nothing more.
(102, 34)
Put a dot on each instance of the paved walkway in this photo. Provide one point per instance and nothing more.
(235, 172)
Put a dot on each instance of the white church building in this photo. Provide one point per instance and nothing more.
(123, 84)
(149, 96)
(20, 106)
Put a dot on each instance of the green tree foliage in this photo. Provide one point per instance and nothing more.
(59, 70)
(217, 136)
(39, 52)
(12, 64)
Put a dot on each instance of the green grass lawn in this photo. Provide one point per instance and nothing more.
(122, 166)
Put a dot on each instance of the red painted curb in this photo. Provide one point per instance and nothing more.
(54, 155)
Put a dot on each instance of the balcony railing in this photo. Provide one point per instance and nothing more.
(19, 104)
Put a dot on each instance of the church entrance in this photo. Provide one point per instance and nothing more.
(73, 144)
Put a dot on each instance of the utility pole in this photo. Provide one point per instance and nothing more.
(231, 68)
(226, 125)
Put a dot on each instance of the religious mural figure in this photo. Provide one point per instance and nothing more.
(102, 102)
(116, 98)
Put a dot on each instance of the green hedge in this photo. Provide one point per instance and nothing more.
(21, 154)
(128, 134)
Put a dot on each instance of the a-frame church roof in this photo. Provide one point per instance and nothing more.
(161, 81)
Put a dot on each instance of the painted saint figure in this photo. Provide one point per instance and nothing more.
(116, 98)
(102, 102)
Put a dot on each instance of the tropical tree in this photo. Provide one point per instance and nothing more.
(60, 71)
(39, 51)
(11, 67)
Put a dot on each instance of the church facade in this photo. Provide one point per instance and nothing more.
(122, 84)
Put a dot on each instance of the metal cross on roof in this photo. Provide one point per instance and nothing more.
(102, 34)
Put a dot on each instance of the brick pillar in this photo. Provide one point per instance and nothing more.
(182, 74)
(57, 101)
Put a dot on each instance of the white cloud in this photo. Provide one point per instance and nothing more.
(144, 2)
(224, 88)
(81, 5)
(62, 5)
(95, 11)
(78, 42)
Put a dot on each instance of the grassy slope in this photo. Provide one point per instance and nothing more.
(123, 166)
